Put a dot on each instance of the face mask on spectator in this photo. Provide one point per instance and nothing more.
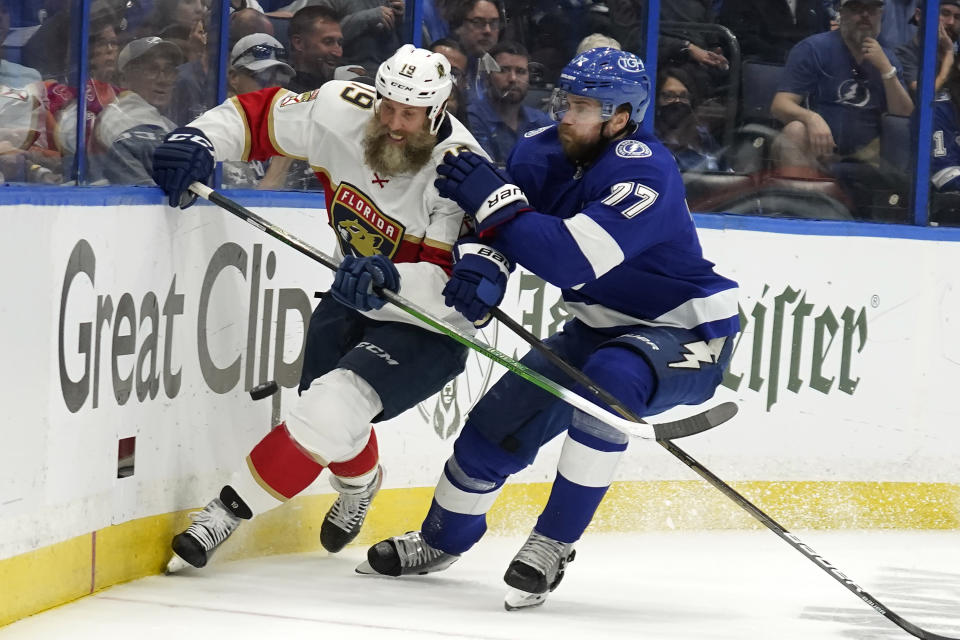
(673, 114)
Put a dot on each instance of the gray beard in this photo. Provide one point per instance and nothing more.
(390, 159)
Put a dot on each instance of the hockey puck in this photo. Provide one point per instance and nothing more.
(264, 390)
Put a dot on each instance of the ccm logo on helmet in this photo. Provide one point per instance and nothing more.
(402, 87)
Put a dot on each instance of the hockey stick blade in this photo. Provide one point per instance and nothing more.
(698, 423)
(633, 427)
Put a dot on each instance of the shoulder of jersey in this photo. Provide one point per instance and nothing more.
(634, 157)
(332, 94)
(538, 140)
(459, 139)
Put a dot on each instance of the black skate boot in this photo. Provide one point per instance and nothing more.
(211, 526)
(536, 570)
(405, 555)
(345, 518)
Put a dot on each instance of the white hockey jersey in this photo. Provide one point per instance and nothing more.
(402, 216)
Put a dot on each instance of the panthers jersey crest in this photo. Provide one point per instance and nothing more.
(362, 229)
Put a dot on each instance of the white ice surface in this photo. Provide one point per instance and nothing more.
(658, 586)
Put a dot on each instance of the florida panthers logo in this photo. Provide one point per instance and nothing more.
(362, 229)
(353, 233)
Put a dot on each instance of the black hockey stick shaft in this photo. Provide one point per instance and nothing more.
(664, 431)
(719, 484)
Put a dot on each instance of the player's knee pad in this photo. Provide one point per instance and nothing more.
(332, 417)
(280, 466)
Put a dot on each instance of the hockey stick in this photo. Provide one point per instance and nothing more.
(678, 429)
(719, 484)
(706, 420)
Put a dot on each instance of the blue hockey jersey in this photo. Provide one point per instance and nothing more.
(616, 238)
(945, 165)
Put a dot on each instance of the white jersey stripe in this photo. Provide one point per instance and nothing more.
(453, 498)
(597, 246)
(586, 466)
(688, 315)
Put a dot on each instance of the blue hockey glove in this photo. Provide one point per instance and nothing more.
(482, 190)
(183, 157)
(356, 278)
(478, 281)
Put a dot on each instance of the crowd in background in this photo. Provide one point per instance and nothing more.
(833, 83)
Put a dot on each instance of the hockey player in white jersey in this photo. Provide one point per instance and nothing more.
(596, 206)
(376, 154)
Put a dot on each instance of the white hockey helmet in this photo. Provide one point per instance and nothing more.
(419, 78)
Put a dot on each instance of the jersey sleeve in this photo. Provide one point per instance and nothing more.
(625, 217)
(945, 164)
(265, 123)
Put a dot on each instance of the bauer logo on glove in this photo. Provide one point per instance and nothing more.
(483, 191)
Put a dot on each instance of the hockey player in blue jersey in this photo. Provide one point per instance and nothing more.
(595, 206)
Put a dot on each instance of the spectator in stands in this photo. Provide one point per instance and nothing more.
(244, 22)
(949, 32)
(256, 62)
(898, 26)
(12, 74)
(316, 47)
(453, 52)
(195, 87)
(499, 117)
(680, 48)
(372, 29)
(477, 25)
(945, 163)
(768, 29)
(133, 125)
(595, 40)
(848, 80)
(677, 125)
(104, 49)
(191, 14)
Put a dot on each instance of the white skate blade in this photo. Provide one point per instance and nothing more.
(516, 600)
(176, 564)
(365, 569)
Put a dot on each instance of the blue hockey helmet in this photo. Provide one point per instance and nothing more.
(610, 76)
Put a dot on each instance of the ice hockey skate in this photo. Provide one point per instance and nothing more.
(404, 555)
(536, 570)
(345, 518)
(211, 526)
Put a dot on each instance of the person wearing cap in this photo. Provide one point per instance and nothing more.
(847, 79)
(375, 150)
(257, 61)
(148, 67)
(948, 34)
(132, 126)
